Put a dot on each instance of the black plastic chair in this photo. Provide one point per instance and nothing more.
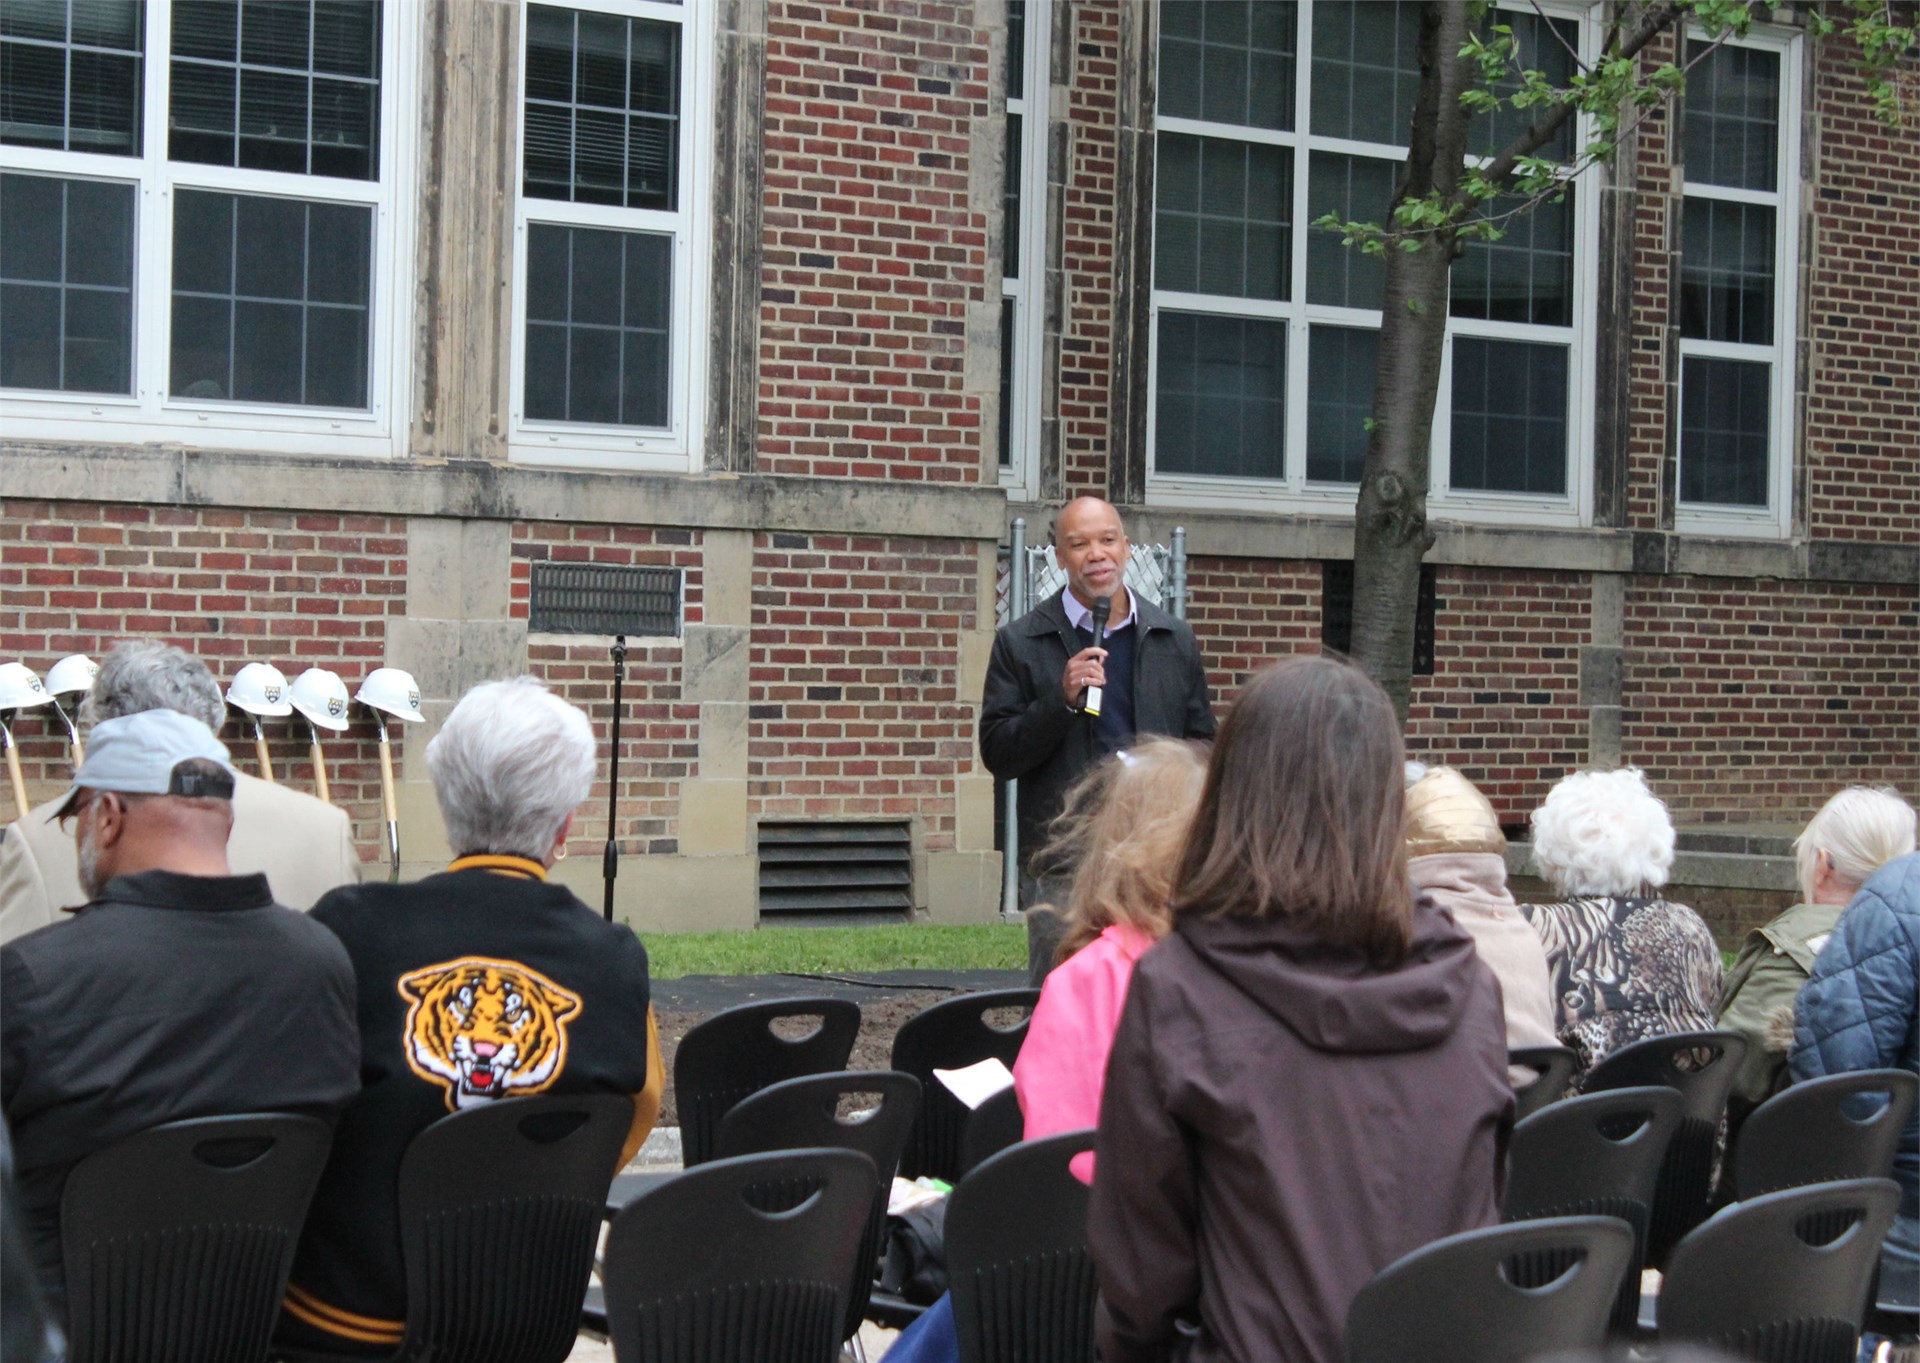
(1457, 1300)
(1810, 1133)
(1553, 1068)
(736, 1052)
(742, 1260)
(803, 1113)
(1783, 1277)
(989, 1129)
(1595, 1155)
(500, 1211)
(177, 1240)
(1702, 1067)
(1017, 1261)
(950, 1035)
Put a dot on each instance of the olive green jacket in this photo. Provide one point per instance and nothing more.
(1774, 962)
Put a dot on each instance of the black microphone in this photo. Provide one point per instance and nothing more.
(1102, 607)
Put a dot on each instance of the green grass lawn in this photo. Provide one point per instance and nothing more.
(839, 951)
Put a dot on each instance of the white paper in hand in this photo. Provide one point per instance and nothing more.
(976, 1083)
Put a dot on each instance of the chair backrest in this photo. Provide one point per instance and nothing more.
(804, 1113)
(1017, 1262)
(742, 1260)
(951, 1034)
(990, 1128)
(500, 1211)
(1457, 1301)
(1552, 1067)
(737, 1052)
(1701, 1067)
(1783, 1277)
(177, 1241)
(1837, 1127)
(1595, 1155)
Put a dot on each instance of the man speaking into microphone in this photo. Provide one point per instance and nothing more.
(1078, 677)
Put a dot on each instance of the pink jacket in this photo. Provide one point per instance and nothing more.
(1063, 1062)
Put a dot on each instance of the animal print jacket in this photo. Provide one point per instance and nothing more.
(1624, 970)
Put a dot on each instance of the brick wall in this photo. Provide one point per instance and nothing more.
(1090, 221)
(1754, 702)
(1247, 613)
(659, 731)
(855, 674)
(302, 590)
(873, 247)
(1656, 232)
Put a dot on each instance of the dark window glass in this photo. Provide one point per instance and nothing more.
(1543, 45)
(1509, 416)
(1723, 430)
(1340, 367)
(280, 85)
(1359, 189)
(1525, 276)
(603, 109)
(66, 284)
(1016, 49)
(1228, 61)
(1366, 69)
(599, 305)
(271, 300)
(1006, 383)
(1222, 388)
(70, 74)
(1726, 272)
(1732, 116)
(1336, 612)
(1010, 214)
(1221, 225)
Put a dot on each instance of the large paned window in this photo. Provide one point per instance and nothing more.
(198, 221)
(1024, 225)
(1736, 400)
(607, 347)
(1266, 329)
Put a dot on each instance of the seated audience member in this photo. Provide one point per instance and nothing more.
(304, 845)
(1456, 855)
(1627, 964)
(1860, 1010)
(179, 990)
(1122, 829)
(1310, 1075)
(1855, 833)
(485, 982)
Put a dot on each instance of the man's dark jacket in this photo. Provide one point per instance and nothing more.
(1027, 732)
(167, 997)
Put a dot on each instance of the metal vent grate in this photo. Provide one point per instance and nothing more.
(835, 868)
(599, 598)
(1336, 612)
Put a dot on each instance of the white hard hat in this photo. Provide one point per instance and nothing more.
(392, 690)
(75, 672)
(321, 696)
(260, 689)
(20, 688)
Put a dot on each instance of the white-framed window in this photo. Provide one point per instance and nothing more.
(1024, 222)
(1740, 161)
(1265, 330)
(201, 227)
(611, 238)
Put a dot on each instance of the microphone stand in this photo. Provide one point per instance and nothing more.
(610, 859)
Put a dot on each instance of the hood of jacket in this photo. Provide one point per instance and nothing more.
(1334, 998)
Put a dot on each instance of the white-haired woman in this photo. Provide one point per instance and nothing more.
(1855, 833)
(1627, 964)
(485, 982)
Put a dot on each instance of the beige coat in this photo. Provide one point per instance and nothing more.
(304, 845)
(1473, 885)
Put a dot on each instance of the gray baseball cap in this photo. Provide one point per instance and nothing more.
(141, 755)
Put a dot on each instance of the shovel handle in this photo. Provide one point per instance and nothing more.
(79, 753)
(319, 772)
(260, 751)
(386, 782)
(19, 781)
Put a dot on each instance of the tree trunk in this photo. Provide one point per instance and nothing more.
(1390, 534)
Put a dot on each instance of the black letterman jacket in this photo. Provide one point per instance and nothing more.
(1028, 734)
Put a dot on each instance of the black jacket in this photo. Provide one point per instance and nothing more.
(1028, 734)
(168, 997)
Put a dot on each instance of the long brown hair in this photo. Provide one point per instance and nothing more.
(1303, 811)
(1122, 830)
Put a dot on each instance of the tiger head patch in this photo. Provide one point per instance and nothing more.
(486, 1029)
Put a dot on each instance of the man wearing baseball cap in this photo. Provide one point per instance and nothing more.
(179, 990)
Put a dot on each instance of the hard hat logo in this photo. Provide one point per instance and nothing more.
(336, 706)
(273, 695)
(413, 699)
